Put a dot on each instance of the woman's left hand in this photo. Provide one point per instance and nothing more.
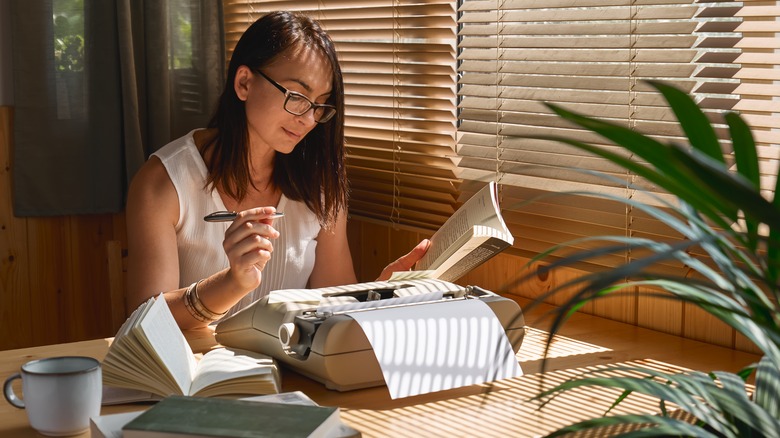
(405, 262)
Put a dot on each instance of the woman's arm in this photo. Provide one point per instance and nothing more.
(153, 261)
(333, 261)
(151, 214)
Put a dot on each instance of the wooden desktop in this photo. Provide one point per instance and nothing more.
(500, 409)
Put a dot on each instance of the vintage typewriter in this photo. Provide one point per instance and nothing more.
(310, 330)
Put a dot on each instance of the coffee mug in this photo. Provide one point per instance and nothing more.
(60, 394)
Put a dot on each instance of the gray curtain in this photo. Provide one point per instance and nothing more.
(98, 86)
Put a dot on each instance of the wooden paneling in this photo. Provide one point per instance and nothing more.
(658, 313)
(53, 271)
(374, 251)
(14, 275)
(702, 326)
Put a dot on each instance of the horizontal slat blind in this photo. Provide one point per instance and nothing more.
(591, 56)
(398, 61)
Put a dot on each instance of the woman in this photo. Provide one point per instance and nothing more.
(275, 143)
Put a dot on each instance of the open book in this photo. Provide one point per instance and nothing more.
(472, 235)
(151, 354)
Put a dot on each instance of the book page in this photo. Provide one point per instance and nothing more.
(230, 363)
(129, 364)
(110, 426)
(292, 397)
(167, 345)
(480, 209)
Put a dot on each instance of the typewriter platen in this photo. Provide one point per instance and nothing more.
(310, 330)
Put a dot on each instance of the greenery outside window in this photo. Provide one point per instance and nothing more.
(68, 28)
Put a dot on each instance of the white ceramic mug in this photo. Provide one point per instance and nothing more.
(60, 394)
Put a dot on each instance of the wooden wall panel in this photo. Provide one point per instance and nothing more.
(374, 251)
(742, 343)
(90, 284)
(661, 314)
(48, 255)
(620, 306)
(401, 242)
(14, 276)
(702, 326)
(53, 270)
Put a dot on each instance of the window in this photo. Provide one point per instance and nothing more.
(398, 62)
(94, 77)
(68, 34)
(592, 57)
(186, 57)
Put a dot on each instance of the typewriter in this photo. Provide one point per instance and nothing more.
(310, 330)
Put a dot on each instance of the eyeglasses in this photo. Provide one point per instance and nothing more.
(297, 104)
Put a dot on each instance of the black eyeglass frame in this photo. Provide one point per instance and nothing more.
(329, 112)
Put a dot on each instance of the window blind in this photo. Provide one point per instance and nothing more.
(591, 56)
(398, 62)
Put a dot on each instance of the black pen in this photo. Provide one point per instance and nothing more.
(228, 216)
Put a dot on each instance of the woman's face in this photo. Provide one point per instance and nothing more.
(271, 127)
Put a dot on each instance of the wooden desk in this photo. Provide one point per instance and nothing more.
(501, 409)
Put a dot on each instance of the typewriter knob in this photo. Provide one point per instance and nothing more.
(288, 334)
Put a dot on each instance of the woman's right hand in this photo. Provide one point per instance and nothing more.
(248, 245)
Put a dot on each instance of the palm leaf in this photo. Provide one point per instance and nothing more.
(654, 426)
(746, 157)
(741, 194)
(740, 287)
(694, 177)
(768, 386)
(692, 120)
(732, 398)
(663, 389)
(717, 399)
(666, 172)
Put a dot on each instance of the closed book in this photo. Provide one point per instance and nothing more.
(185, 416)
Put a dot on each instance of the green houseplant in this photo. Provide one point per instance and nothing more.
(724, 213)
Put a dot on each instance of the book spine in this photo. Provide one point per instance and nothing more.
(476, 257)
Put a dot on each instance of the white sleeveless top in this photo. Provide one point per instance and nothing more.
(200, 242)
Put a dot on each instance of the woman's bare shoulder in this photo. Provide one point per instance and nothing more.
(152, 187)
(152, 176)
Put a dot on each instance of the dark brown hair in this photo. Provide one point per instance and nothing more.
(314, 172)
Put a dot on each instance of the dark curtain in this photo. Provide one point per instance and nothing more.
(98, 86)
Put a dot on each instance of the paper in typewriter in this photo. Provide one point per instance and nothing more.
(432, 347)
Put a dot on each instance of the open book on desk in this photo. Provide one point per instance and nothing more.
(151, 354)
(472, 235)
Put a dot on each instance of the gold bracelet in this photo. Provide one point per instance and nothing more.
(189, 304)
(201, 308)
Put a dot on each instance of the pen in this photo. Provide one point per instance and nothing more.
(227, 216)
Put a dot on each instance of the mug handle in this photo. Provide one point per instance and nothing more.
(8, 391)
